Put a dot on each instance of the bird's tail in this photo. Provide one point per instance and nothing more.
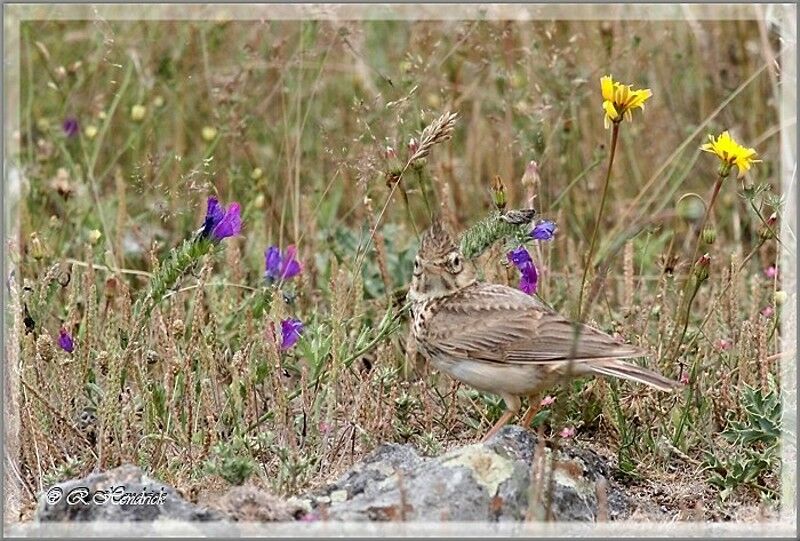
(632, 372)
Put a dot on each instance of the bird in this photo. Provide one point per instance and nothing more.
(500, 340)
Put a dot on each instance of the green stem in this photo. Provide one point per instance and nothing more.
(706, 216)
(685, 313)
(407, 204)
(614, 138)
(422, 177)
(688, 311)
(676, 441)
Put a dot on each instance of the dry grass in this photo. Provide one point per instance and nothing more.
(300, 116)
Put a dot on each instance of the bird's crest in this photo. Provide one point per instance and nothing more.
(436, 241)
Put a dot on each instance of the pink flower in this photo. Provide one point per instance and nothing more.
(324, 427)
(767, 311)
(567, 432)
(547, 400)
(771, 272)
(723, 345)
(685, 378)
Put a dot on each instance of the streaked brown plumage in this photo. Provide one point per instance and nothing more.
(500, 340)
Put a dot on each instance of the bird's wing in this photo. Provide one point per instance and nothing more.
(499, 324)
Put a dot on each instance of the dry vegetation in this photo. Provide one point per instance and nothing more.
(293, 120)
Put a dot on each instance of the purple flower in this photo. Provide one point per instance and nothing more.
(70, 126)
(220, 223)
(291, 329)
(544, 230)
(65, 341)
(281, 266)
(528, 275)
(214, 215)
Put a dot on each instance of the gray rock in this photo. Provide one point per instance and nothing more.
(504, 479)
(124, 494)
(480, 482)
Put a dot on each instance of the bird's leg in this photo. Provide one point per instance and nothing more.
(498, 425)
(512, 408)
(533, 407)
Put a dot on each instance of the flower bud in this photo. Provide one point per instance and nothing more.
(256, 173)
(767, 230)
(395, 167)
(258, 202)
(94, 236)
(90, 131)
(709, 235)
(779, 297)
(413, 145)
(531, 176)
(701, 267)
(499, 193)
(209, 133)
(37, 249)
(158, 102)
(137, 112)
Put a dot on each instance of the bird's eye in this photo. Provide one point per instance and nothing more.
(417, 267)
(456, 264)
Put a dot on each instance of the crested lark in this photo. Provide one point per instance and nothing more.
(500, 340)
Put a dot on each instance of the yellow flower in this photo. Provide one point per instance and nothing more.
(730, 153)
(620, 100)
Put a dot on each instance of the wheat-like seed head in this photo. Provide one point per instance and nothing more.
(437, 131)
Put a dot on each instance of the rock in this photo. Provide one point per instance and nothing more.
(480, 482)
(505, 479)
(122, 494)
